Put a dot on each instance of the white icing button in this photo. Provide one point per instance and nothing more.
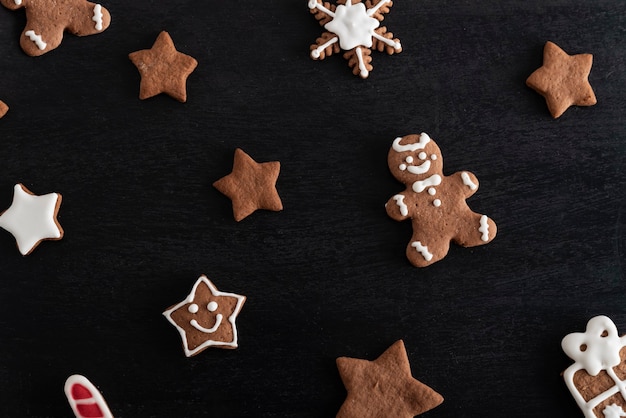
(437, 203)
(432, 191)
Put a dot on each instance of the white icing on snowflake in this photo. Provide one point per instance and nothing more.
(613, 411)
(352, 25)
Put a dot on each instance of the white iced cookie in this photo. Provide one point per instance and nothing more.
(32, 219)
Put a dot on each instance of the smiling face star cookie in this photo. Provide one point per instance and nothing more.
(384, 387)
(563, 80)
(46, 20)
(251, 185)
(206, 318)
(163, 69)
(32, 219)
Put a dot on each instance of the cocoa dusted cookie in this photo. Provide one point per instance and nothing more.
(384, 387)
(563, 79)
(354, 27)
(206, 318)
(3, 109)
(251, 185)
(435, 203)
(597, 379)
(46, 20)
(163, 69)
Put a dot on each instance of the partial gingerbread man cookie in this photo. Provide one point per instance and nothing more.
(597, 379)
(46, 20)
(435, 203)
(563, 80)
(354, 27)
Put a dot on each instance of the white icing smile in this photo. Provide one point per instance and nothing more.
(218, 322)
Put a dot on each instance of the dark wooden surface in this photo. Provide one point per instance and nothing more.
(326, 277)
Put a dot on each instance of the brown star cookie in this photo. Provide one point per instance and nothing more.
(46, 20)
(3, 109)
(206, 318)
(251, 185)
(163, 69)
(384, 387)
(563, 79)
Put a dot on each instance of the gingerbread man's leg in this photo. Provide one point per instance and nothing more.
(475, 229)
(423, 251)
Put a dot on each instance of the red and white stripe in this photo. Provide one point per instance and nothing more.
(85, 400)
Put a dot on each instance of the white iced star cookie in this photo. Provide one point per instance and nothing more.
(32, 219)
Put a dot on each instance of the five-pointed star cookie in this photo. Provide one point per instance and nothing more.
(32, 219)
(206, 318)
(251, 185)
(563, 79)
(384, 387)
(163, 69)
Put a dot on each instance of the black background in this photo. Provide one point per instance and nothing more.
(326, 277)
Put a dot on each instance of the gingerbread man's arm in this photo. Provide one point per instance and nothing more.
(397, 208)
(468, 182)
(13, 4)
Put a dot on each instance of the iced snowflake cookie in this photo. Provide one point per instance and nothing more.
(354, 27)
(597, 379)
(206, 318)
(384, 387)
(251, 185)
(32, 219)
(163, 69)
(84, 398)
(46, 20)
(3, 109)
(563, 79)
(435, 203)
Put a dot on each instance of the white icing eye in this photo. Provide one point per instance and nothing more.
(402, 167)
(409, 159)
(433, 157)
(422, 155)
(193, 308)
(212, 306)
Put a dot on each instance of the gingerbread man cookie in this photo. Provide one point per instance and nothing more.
(435, 203)
(46, 20)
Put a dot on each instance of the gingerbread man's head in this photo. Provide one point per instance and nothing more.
(414, 158)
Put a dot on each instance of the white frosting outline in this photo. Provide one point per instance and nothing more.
(399, 198)
(420, 144)
(97, 16)
(423, 250)
(31, 218)
(599, 353)
(484, 228)
(468, 181)
(36, 39)
(96, 396)
(231, 319)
